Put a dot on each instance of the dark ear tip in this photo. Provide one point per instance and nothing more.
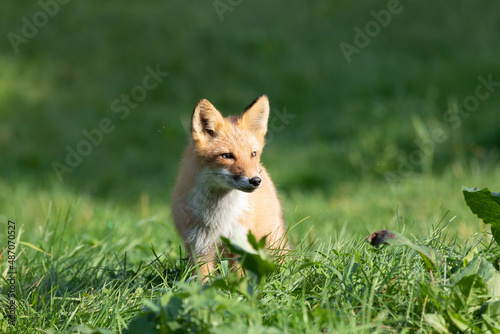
(255, 101)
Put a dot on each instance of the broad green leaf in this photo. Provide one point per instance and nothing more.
(437, 322)
(434, 294)
(486, 205)
(173, 308)
(471, 255)
(253, 260)
(256, 244)
(491, 324)
(479, 266)
(493, 286)
(431, 257)
(492, 310)
(143, 324)
(472, 291)
(491, 316)
(232, 283)
(457, 320)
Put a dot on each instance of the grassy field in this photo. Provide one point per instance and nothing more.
(381, 139)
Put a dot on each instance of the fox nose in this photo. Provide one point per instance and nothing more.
(255, 181)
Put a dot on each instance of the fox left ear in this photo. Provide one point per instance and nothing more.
(206, 121)
(255, 116)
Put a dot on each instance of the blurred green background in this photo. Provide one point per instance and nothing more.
(349, 125)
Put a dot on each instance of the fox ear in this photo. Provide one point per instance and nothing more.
(255, 117)
(206, 121)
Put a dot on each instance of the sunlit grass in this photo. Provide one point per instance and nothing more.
(102, 274)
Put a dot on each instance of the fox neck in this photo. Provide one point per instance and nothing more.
(215, 206)
(210, 202)
(216, 212)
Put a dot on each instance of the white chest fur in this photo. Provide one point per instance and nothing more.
(216, 213)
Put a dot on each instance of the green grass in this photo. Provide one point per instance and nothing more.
(101, 276)
(106, 260)
(105, 238)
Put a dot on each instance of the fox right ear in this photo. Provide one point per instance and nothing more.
(255, 117)
(206, 121)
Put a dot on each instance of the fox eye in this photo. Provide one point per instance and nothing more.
(227, 156)
(254, 154)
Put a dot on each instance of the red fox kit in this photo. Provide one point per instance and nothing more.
(222, 189)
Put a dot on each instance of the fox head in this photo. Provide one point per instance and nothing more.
(229, 148)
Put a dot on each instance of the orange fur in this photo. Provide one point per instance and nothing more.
(218, 192)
